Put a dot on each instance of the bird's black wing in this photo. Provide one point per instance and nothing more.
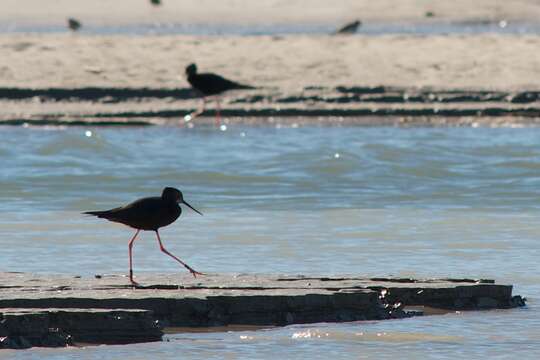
(140, 211)
(212, 84)
(350, 28)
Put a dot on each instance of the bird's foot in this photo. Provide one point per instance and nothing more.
(133, 282)
(191, 116)
(195, 273)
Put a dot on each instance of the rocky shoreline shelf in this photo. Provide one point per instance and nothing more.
(379, 105)
(53, 310)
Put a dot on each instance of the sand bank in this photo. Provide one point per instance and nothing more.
(287, 63)
(68, 77)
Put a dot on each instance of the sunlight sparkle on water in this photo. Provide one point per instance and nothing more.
(309, 334)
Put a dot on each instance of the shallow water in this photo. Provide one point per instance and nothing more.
(422, 202)
(375, 28)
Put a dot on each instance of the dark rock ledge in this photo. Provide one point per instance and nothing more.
(24, 328)
(51, 310)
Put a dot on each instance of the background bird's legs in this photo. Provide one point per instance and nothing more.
(196, 113)
(218, 113)
(195, 273)
(130, 246)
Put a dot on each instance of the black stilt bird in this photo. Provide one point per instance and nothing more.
(208, 84)
(74, 24)
(149, 214)
(349, 28)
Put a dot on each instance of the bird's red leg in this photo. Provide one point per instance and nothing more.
(130, 246)
(196, 113)
(218, 113)
(201, 110)
(195, 273)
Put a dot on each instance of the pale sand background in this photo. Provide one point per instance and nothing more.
(263, 11)
(283, 65)
(289, 63)
(504, 62)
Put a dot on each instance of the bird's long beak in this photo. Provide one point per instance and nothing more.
(192, 208)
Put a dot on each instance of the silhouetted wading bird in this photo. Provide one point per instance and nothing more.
(208, 84)
(74, 24)
(150, 214)
(350, 28)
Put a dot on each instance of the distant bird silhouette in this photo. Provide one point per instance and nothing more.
(155, 2)
(74, 24)
(208, 84)
(350, 28)
(149, 214)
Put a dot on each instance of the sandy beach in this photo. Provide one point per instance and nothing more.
(288, 63)
(238, 12)
(300, 73)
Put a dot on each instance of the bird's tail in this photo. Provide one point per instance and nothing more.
(238, 86)
(99, 214)
(248, 87)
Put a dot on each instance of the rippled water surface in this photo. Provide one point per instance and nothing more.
(422, 202)
(374, 28)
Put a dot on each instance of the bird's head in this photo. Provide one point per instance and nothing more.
(191, 69)
(175, 195)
